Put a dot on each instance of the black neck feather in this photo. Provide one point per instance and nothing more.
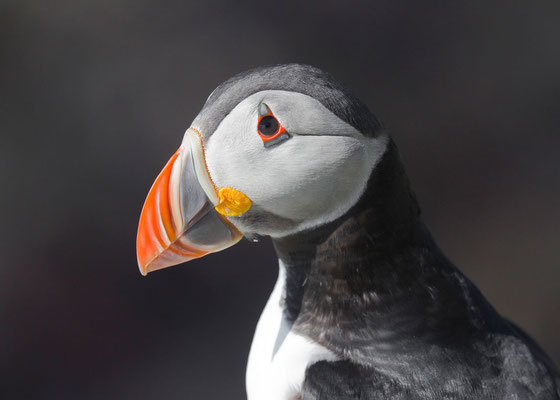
(376, 274)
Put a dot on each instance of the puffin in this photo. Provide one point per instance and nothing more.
(366, 305)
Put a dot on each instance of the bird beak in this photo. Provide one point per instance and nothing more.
(183, 217)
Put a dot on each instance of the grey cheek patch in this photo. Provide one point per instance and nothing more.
(277, 140)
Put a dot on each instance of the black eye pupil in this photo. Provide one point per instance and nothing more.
(268, 125)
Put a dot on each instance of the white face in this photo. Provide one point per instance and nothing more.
(311, 178)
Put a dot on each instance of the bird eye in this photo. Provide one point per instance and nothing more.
(268, 126)
(270, 129)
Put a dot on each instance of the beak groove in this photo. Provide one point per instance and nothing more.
(159, 225)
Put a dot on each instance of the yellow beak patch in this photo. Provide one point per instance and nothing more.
(232, 202)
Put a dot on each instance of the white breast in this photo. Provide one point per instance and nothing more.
(279, 357)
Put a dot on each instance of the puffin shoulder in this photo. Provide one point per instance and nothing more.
(345, 379)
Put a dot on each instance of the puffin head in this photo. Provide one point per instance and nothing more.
(274, 151)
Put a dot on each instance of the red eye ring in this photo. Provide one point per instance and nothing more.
(265, 123)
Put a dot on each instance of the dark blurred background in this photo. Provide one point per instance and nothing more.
(95, 97)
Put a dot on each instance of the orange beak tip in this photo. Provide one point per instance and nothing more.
(143, 268)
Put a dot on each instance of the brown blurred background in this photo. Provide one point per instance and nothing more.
(96, 95)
